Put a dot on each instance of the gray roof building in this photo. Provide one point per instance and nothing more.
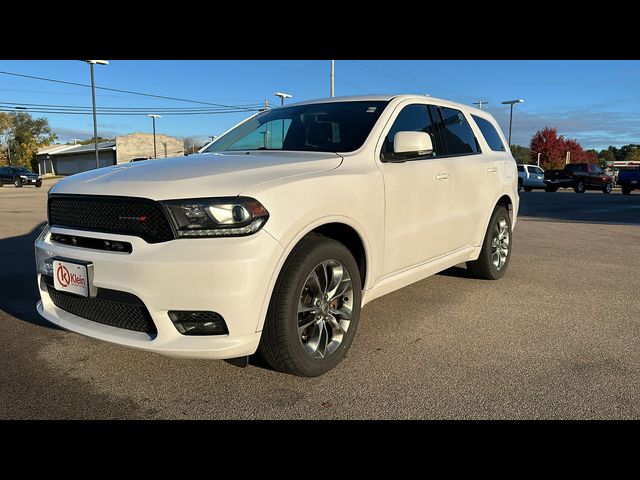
(70, 159)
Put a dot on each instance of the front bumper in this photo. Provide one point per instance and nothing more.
(230, 276)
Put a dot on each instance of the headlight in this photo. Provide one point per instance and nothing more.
(216, 217)
(23, 176)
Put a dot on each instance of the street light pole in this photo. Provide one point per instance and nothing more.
(93, 99)
(282, 97)
(332, 76)
(512, 103)
(153, 117)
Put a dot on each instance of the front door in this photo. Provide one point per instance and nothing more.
(417, 196)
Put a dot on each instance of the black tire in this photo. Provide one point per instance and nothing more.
(483, 267)
(626, 190)
(280, 344)
(17, 182)
(527, 189)
(607, 187)
(579, 187)
(519, 184)
(550, 189)
(38, 183)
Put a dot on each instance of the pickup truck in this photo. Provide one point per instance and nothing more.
(629, 179)
(580, 177)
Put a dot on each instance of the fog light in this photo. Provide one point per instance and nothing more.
(198, 323)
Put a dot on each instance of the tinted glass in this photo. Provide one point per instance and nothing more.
(458, 137)
(20, 170)
(490, 134)
(412, 118)
(318, 127)
(535, 170)
(520, 168)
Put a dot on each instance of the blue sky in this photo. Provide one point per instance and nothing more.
(596, 102)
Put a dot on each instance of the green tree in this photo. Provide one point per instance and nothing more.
(90, 140)
(633, 155)
(521, 154)
(5, 131)
(607, 156)
(27, 135)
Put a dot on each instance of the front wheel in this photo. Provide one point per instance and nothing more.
(527, 189)
(314, 310)
(38, 183)
(519, 184)
(17, 183)
(607, 188)
(496, 248)
(626, 190)
(550, 189)
(579, 187)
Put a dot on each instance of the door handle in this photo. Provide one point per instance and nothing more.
(492, 169)
(442, 176)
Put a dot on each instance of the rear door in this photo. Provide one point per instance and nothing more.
(475, 178)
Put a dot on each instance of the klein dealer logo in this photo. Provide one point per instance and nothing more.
(67, 278)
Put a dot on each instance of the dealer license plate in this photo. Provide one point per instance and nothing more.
(70, 277)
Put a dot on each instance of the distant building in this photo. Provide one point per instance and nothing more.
(70, 159)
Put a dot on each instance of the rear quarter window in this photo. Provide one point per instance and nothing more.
(490, 134)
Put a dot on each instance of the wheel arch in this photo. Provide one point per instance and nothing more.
(343, 230)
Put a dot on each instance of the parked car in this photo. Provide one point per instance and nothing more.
(530, 177)
(273, 239)
(19, 176)
(629, 179)
(139, 159)
(580, 177)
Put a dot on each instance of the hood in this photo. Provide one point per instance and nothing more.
(203, 175)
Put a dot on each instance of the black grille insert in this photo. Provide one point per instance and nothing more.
(141, 217)
(109, 307)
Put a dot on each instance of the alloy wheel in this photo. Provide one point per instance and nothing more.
(324, 308)
(500, 243)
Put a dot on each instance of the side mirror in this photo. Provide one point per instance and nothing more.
(418, 143)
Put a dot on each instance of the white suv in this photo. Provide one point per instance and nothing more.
(275, 237)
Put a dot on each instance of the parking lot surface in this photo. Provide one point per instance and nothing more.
(557, 337)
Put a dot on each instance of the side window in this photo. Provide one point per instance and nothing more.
(520, 168)
(490, 134)
(458, 136)
(412, 118)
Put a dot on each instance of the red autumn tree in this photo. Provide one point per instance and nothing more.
(550, 145)
(553, 149)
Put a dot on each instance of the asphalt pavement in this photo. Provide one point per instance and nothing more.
(556, 338)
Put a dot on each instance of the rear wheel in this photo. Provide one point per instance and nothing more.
(550, 188)
(496, 248)
(607, 187)
(579, 186)
(314, 309)
(626, 190)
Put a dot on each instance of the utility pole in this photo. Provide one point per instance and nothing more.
(567, 160)
(480, 103)
(539, 159)
(282, 97)
(93, 98)
(332, 76)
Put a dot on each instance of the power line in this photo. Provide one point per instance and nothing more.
(116, 90)
(126, 109)
(70, 112)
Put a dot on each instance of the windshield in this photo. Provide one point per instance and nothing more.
(317, 127)
(20, 170)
